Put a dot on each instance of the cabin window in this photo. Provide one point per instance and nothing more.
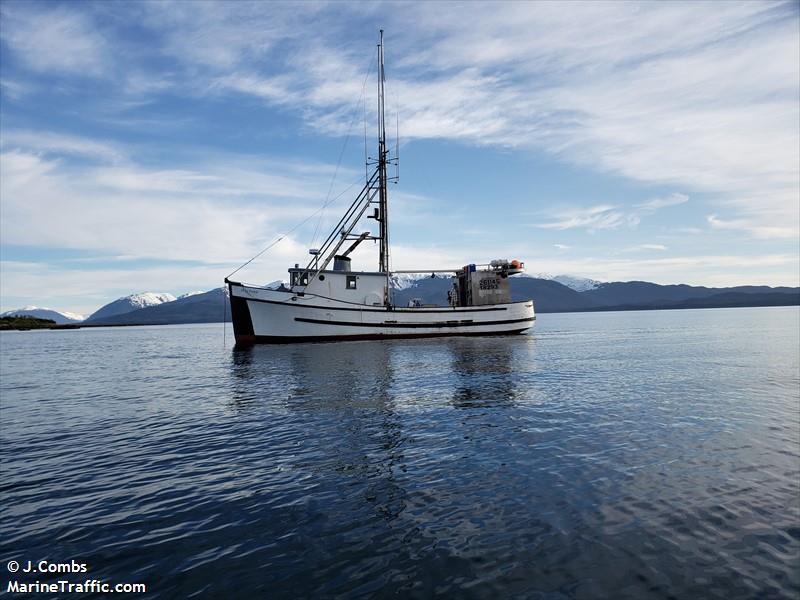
(351, 282)
(299, 278)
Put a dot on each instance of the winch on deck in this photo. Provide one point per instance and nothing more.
(488, 285)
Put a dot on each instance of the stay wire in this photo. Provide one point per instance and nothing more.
(327, 201)
(300, 224)
(344, 147)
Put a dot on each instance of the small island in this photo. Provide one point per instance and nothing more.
(23, 323)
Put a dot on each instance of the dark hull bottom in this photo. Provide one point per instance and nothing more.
(249, 340)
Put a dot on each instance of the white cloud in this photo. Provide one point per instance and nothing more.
(592, 219)
(700, 95)
(221, 35)
(223, 214)
(55, 39)
(14, 89)
(646, 247)
(56, 143)
(647, 93)
(86, 290)
(753, 228)
(148, 84)
(406, 257)
(276, 89)
(671, 200)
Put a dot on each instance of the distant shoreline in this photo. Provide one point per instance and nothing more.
(624, 308)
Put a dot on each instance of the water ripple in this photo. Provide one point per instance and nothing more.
(622, 455)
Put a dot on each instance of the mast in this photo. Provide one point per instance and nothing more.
(383, 261)
(376, 185)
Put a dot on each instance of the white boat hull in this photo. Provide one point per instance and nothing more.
(270, 316)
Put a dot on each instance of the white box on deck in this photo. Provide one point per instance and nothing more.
(488, 287)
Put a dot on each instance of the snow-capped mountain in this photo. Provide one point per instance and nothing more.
(207, 307)
(402, 281)
(579, 284)
(60, 317)
(130, 303)
(187, 294)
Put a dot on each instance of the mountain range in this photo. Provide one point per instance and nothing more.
(60, 317)
(128, 304)
(197, 307)
(562, 293)
(549, 295)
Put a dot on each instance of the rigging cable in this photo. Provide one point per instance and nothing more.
(366, 158)
(328, 200)
(397, 134)
(293, 229)
(344, 147)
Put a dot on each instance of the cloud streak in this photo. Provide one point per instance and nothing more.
(49, 142)
(56, 40)
(646, 247)
(111, 209)
(753, 228)
(594, 218)
(657, 203)
(699, 95)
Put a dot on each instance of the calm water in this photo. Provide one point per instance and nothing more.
(607, 455)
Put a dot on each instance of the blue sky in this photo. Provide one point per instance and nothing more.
(156, 146)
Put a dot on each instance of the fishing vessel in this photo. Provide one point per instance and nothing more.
(326, 300)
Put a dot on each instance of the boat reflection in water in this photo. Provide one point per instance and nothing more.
(484, 372)
(345, 407)
(381, 375)
(338, 401)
